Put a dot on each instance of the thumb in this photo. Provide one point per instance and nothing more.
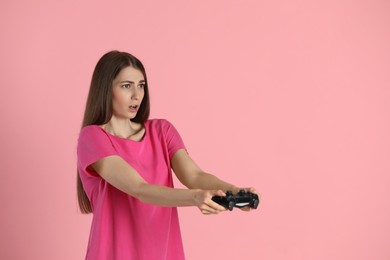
(220, 193)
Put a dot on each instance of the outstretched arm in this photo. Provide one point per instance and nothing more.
(193, 177)
(121, 175)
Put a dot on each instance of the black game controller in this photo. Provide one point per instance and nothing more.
(239, 200)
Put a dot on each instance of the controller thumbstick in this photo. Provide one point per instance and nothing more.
(229, 193)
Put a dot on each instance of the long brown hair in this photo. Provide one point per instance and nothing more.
(98, 110)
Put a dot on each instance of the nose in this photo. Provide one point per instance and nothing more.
(135, 95)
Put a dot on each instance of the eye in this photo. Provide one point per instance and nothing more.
(141, 85)
(126, 86)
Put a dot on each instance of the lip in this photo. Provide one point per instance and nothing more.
(134, 110)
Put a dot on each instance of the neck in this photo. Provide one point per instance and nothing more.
(120, 127)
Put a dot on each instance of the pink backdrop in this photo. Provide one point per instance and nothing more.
(291, 97)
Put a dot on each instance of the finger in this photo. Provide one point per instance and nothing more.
(217, 193)
(251, 190)
(205, 212)
(206, 209)
(247, 208)
(215, 206)
(221, 193)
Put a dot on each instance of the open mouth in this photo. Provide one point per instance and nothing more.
(133, 106)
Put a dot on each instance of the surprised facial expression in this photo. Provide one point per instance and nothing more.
(128, 92)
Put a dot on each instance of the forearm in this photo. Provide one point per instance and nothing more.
(208, 181)
(166, 196)
(122, 176)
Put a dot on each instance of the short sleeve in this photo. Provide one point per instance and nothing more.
(93, 144)
(172, 138)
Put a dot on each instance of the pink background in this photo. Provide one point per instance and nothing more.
(291, 97)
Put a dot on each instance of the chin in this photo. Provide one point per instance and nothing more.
(132, 116)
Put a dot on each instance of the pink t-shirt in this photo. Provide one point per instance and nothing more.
(122, 226)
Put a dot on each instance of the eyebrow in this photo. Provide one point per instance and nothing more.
(131, 82)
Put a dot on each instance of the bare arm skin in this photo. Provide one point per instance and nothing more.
(193, 177)
(121, 175)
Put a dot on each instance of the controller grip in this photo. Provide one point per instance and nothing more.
(239, 200)
(221, 200)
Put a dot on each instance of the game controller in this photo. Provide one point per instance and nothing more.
(239, 200)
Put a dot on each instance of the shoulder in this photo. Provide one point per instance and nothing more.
(166, 129)
(163, 127)
(91, 129)
(160, 123)
(92, 132)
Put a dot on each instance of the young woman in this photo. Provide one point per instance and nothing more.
(124, 169)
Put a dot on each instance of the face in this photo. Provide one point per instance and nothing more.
(128, 92)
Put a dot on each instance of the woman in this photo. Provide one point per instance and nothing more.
(124, 169)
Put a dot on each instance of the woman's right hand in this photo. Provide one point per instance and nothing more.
(204, 202)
